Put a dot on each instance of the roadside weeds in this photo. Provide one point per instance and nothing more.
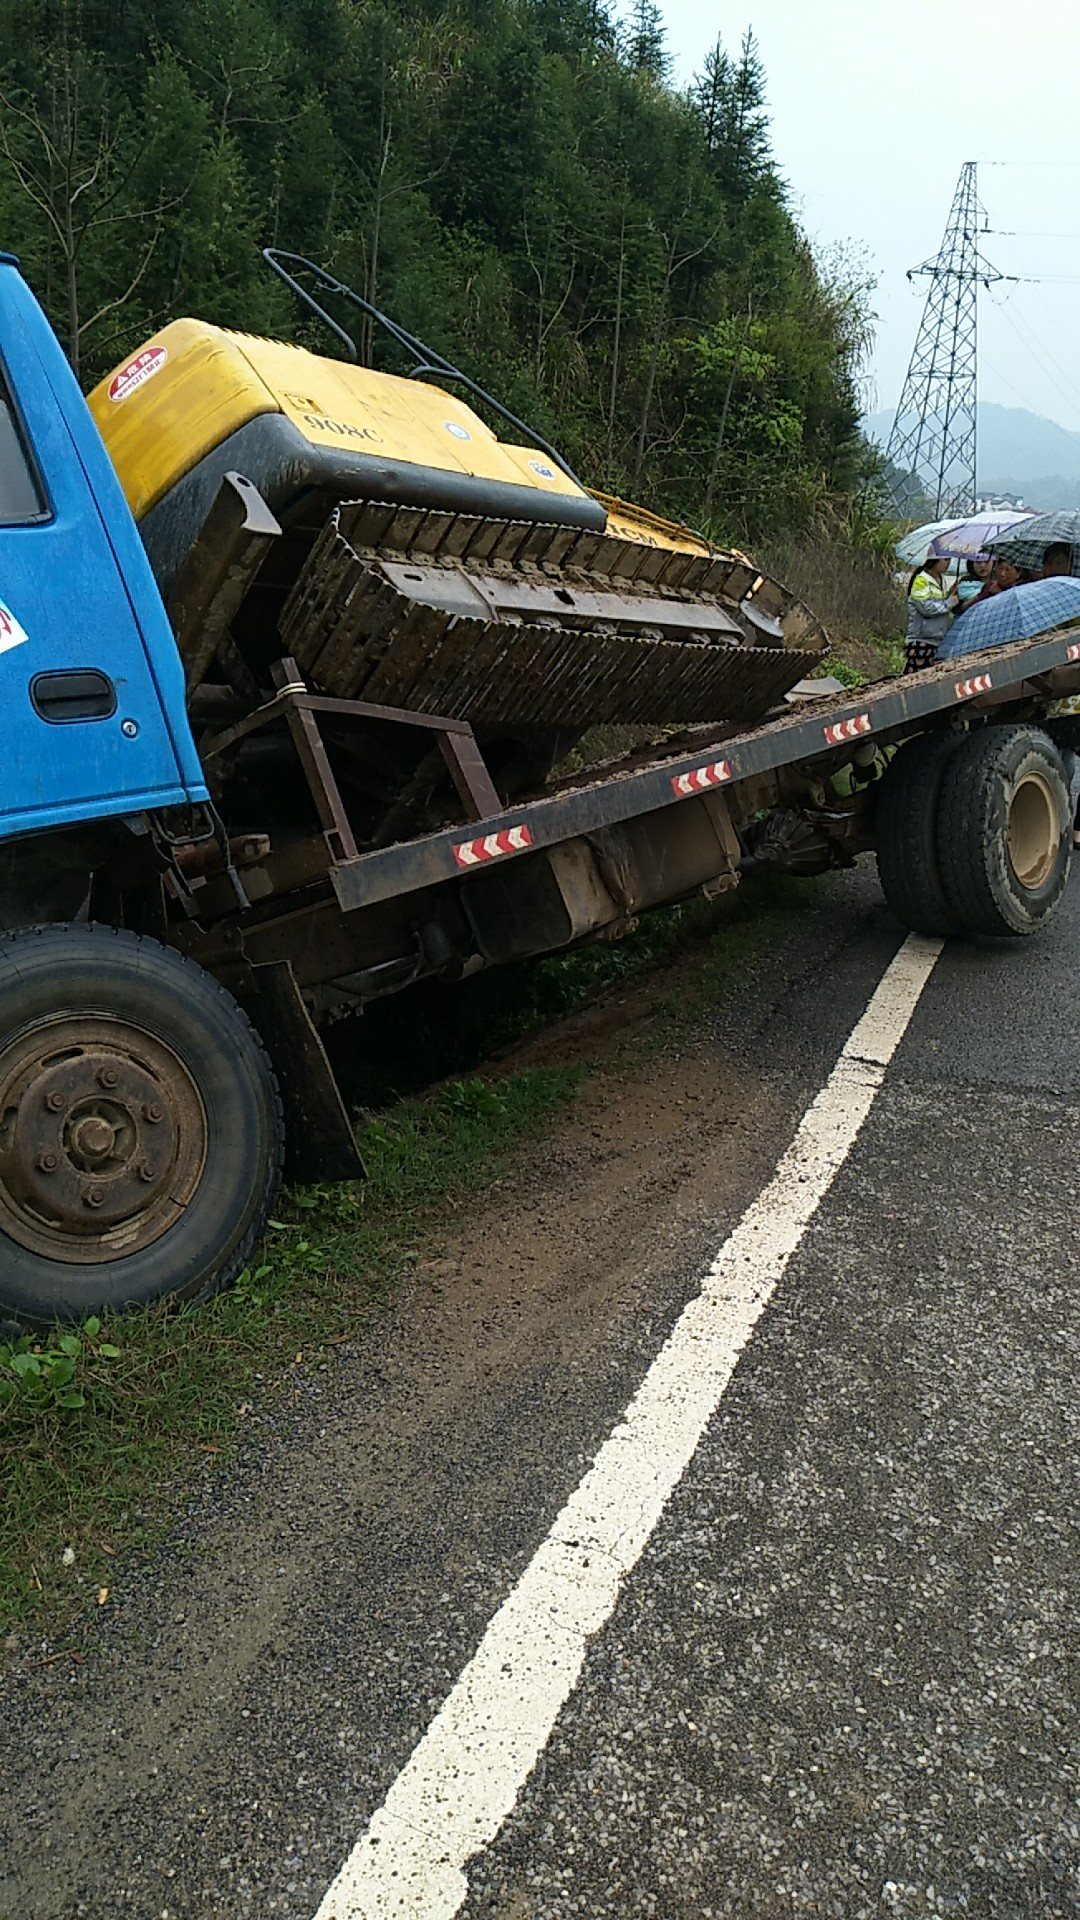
(105, 1427)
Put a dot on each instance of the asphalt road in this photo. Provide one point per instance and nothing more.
(835, 1683)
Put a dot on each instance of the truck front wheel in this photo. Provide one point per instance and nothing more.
(140, 1125)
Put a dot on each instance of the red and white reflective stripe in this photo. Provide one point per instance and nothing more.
(701, 777)
(1072, 653)
(847, 730)
(965, 688)
(470, 853)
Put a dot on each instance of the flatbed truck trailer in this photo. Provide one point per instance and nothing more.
(166, 973)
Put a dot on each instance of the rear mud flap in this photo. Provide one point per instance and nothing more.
(319, 1140)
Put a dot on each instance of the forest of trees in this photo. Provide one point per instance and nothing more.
(518, 181)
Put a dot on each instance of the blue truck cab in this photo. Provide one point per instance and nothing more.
(141, 1134)
(92, 719)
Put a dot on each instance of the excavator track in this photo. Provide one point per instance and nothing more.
(505, 623)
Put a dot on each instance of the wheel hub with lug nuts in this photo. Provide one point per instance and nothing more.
(102, 1138)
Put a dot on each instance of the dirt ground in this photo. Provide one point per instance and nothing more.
(285, 1631)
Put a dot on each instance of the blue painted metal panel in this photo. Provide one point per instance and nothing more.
(80, 594)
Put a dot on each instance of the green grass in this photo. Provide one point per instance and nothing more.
(884, 658)
(841, 670)
(103, 1428)
(152, 1395)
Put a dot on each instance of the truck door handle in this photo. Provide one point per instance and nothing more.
(84, 694)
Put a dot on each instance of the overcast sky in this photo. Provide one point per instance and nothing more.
(874, 110)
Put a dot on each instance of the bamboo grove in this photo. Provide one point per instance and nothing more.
(518, 181)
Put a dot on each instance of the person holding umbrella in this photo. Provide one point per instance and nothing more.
(1001, 575)
(1057, 561)
(970, 586)
(929, 611)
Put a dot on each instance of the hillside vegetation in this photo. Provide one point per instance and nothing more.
(516, 180)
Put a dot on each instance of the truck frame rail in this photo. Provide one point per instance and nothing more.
(813, 731)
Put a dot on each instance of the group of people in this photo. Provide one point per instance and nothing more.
(932, 605)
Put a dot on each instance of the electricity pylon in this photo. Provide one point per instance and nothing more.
(932, 443)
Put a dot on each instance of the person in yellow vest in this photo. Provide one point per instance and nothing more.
(930, 606)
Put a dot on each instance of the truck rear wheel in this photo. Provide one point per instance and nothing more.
(140, 1125)
(906, 834)
(1005, 830)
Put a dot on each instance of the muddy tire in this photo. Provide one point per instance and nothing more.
(140, 1125)
(906, 835)
(1005, 831)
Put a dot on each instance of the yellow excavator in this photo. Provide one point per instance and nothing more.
(423, 563)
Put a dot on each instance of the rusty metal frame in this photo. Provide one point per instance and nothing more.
(300, 710)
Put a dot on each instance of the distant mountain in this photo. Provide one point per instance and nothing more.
(1018, 452)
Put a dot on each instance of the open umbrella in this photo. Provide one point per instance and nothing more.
(914, 546)
(1017, 614)
(1025, 544)
(967, 539)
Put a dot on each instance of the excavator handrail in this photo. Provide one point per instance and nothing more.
(429, 362)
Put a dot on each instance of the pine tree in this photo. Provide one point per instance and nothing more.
(744, 122)
(515, 179)
(711, 92)
(646, 50)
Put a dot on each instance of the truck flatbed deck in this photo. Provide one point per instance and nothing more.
(811, 730)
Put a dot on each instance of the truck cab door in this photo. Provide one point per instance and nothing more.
(92, 715)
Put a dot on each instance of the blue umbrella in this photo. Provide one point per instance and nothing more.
(1019, 613)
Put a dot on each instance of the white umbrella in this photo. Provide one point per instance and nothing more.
(967, 539)
(914, 545)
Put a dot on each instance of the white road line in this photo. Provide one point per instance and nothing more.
(465, 1774)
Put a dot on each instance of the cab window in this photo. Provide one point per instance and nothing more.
(21, 498)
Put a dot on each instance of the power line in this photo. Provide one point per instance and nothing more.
(1024, 399)
(1054, 372)
(1065, 341)
(932, 445)
(1037, 349)
(1025, 233)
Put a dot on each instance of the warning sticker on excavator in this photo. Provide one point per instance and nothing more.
(11, 633)
(137, 372)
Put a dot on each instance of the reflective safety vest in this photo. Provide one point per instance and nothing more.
(928, 613)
